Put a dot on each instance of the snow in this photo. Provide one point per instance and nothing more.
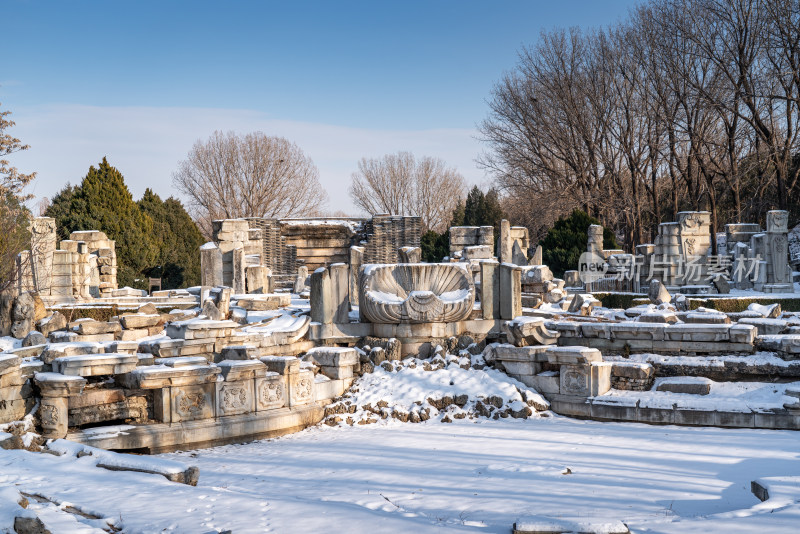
(414, 386)
(724, 396)
(470, 476)
(382, 296)
(8, 343)
(455, 295)
(757, 359)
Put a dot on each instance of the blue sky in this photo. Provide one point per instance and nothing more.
(139, 82)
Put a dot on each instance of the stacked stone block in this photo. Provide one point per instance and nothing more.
(463, 239)
(98, 244)
(385, 234)
(232, 236)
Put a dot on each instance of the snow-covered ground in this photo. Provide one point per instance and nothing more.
(468, 476)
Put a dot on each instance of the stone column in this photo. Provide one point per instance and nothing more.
(490, 290)
(210, 265)
(238, 266)
(356, 260)
(56, 389)
(300, 279)
(595, 240)
(43, 245)
(510, 291)
(322, 308)
(777, 246)
(256, 276)
(340, 292)
(505, 246)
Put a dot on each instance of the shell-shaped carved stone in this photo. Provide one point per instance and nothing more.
(415, 293)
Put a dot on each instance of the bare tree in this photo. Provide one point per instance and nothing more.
(14, 216)
(255, 175)
(400, 184)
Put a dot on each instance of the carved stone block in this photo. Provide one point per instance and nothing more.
(301, 388)
(270, 392)
(585, 380)
(235, 397)
(192, 402)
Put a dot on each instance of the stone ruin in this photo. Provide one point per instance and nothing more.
(82, 267)
(241, 359)
(283, 246)
(682, 258)
(473, 245)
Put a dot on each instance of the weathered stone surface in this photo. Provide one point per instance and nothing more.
(689, 385)
(233, 370)
(189, 403)
(22, 315)
(333, 356)
(55, 321)
(340, 292)
(140, 320)
(585, 380)
(34, 338)
(301, 279)
(95, 364)
(272, 301)
(235, 397)
(664, 317)
(537, 274)
(9, 363)
(573, 355)
(583, 303)
(490, 290)
(634, 370)
(160, 376)
(657, 293)
(530, 331)
(722, 286)
(301, 387)
(239, 352)
(505, 244)
(415, 293)
(210, 311)
(510, 286)
(270, 392)
(283, 365)
(88, 328)
(257, 279)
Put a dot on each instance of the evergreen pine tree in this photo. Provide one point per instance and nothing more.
(566, 241)
(103, 202)
(178, 239)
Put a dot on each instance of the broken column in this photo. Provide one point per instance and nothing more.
(210, 265)
(409, 255)
(340, 292)
(356, 260)
(510, 284)
(595, 240)
(322, 304)
(300, 279)
(258, 279)
(56, 389)
(43, 245)
(505, 244)
(779, 275)
(490, 290)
